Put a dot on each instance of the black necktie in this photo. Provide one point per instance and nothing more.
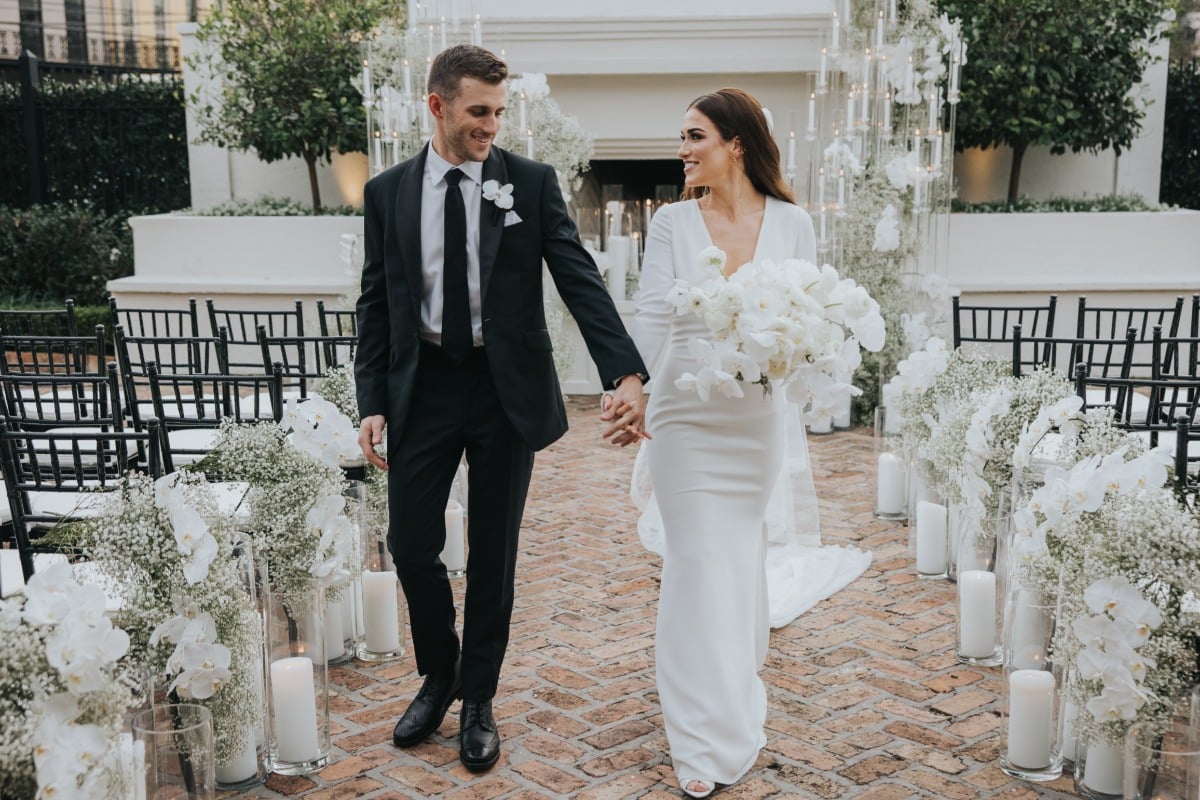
(456, 303)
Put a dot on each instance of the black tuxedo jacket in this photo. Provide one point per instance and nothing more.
(514, 322)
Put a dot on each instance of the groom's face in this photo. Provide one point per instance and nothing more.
(467, 125)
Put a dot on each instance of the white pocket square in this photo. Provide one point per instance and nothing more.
(511, 218)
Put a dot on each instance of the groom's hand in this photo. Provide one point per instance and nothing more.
(370, 434)
(625, 412)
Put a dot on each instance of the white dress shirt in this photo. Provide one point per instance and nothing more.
(433, 235)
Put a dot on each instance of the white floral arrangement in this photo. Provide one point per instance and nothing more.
(558, 138)
(294, 506)
(63, 693)
(1119, 551)
(337, 386)
(171, 550)
(787, 324)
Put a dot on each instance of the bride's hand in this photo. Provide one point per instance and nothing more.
(625, 411)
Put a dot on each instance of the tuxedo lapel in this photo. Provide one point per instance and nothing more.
(408, 227)
(491, 221)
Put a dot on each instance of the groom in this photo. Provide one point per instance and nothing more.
(454, 357)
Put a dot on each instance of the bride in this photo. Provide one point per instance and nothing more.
(730, 570)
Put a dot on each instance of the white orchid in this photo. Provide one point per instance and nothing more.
(83, 652)
(193, 540)
(500, 195)
(203, 669)
(53, 594)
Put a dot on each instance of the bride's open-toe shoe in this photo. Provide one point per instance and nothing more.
(698, 788)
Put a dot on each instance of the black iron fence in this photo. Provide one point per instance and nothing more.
(115, 141)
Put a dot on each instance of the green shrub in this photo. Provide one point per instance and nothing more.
(1181, 137)
(52, 252)
(1120, 202)
(269, 207)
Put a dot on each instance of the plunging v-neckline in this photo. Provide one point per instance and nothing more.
(762, 224)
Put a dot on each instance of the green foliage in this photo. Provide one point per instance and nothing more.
(1055, 74)
(119, 146)
(1120, 202)
(266, 206)
(52, 252)
(1181, 137)
(285, 70)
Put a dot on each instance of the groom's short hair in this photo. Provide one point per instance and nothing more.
(453, 64)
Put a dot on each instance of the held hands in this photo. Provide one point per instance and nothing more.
(625, 412)
(370, 433)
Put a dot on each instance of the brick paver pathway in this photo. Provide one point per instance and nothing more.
(866, 698)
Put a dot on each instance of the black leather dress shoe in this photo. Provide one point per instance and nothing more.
(428, 709)
(479, 742)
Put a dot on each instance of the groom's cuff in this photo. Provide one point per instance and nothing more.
(641, 376)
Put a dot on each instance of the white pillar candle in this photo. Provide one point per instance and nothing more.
(407, 71)
(879, 31)
(529, 144)
(931, 538)
(366, 83)
(521, 111)
(244, 764)
(791, 154)
(821, 425)
(889, 490)
(887, 113)
(478, 31)
(821, 190)
(442, 33)
(1104, 769)
(429, 40)
(618, 263)
(454, 554)
(849, 113)
(836, 40)
(1030, 717)
(812, 114)
(335, 632)
(937, 151)
(977, 613)
(381, 612)
(822, 73)
(295, 706)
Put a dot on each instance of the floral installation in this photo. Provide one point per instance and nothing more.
(1000, 418)
(882, 231)
(787, 324)
(502, 196)
(558, 138)
(173, 552)
(293, 507)
(337, 386)
(1112, 542)
(63, 691)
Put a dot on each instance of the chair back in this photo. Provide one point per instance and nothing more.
(40, 354)
(38, 401)
(156, 322)
(337, 322)
(242, 326)
(989, 323)
(1103, 357)
(39, 322)
(305, 359)
(1109, 322)
(71, 464)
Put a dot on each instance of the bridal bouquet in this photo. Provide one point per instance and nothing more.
(787, 324)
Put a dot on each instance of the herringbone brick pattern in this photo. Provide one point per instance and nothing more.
(866, 698)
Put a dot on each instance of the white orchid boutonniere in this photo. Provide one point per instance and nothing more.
(500, 195)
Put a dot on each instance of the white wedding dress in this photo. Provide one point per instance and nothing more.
(726, 476)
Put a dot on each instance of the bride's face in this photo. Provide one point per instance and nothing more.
(707, 158)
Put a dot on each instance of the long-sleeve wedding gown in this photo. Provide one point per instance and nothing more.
(729, 573)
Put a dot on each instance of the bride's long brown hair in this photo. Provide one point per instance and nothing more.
(737, 114)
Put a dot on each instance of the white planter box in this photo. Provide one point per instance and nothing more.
(1120, 258)
(243, 262)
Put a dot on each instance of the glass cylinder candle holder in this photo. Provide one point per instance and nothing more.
(241, 745)
(172, 753)
(382, 601)
(298, 681)
(891, 474)
(980, 589)
(955, 513)
(842, 420)
(820, 426)
(1162, 763)
(932, 551)
(343, 603)
(1028, 734)
(454, 553)
(1100, 770)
